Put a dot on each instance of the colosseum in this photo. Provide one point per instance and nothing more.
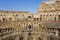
(22, 25)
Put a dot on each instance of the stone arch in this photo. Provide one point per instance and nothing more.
(10, 19)
(29, 34)
(21, 38)
(40, 38)
(51, 37)
(29, 16)
(29, 27)
(4, 19)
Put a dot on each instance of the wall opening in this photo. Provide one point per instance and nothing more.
(21, 38)
(3, 19)
(54, 18)
(39, 38)
(29, 27)
(58, 17)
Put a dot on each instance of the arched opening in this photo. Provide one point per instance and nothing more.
(21, 38)
(39, 38)
(34, 19)
(58, 17)
(29, 34)
(29, 26)
(10, 19)
(37, 19)
(52, 37)
(3, 19)
(19, 25)
(29, 16)
(54, 18)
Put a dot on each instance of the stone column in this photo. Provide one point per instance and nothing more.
(17, 38)
(56, 32)
(57, 18)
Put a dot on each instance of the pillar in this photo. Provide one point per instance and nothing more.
(34, 37)
(56, 32)
(44, 37)
(17, 38)
(25, 37)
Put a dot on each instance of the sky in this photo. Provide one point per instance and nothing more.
(20, 5)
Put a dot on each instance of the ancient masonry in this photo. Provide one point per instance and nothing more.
(45, 25)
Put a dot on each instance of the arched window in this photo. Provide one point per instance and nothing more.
(50, 14)
(10, 19)
(1, 15)
(16, 14)
(29, 27)
(3, 19)
(29, 16)
(37, 19)
(34, 19)
(4, 15)
(19, 25)
(29, 34)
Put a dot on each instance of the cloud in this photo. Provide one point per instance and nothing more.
(50, 1)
